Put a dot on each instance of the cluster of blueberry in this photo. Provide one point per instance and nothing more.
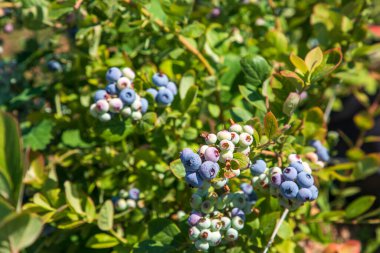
(294, 185)
(119, 95)
(219, 151)
(218, 214)
(166, 89)
(321, 151)
(126, 199)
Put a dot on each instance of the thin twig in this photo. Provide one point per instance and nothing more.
(183, 41)
(78, 4)
(275, 231)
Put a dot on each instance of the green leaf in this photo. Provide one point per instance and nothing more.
(270, 125)
(359, 206)
(102, 241)
(194, 30)
(187, 81)
(213, 109)
(105, 220)
(177, 168)
(164, 231)
(73, 197)
(73, 139)
(148, 122)
(40, 135)
(191, 96)
(314, 124)
(239, 114)
(285, 232)
(256, 69)
(242, 160)
(253, 97)
(90, 209)
(114, 130)
(21, 229)
(364, 121)
(291, 103)
(299, 63)
(313, 59)
(11, 166)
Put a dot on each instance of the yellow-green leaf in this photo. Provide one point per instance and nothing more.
(313, 59)
(298, 63)
(270, 125)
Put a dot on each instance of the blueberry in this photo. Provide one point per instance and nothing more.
(194, 218)
(144, 105)
(238, 212)
(246, 188)
(323, 154)
(277, 179)
(100, 94)
(115, 105)
(258, 167)
(304, 195)
(94, 111)
(226, 223)
(248, 129)
(192, 162)
(129, 73)
(204, 223)
(316, 144)
(224, 135)
(202, 245)
(123, 83)
(235, 138)
(111, 89)
(161, 80)
(194, 179)
(216, 225)
(236, 128)
(172, 87)
(252, 197)
(194, 233)
(209, 170)
(297, 165)
(211, 139)
(207, 207)
(128, 96)
(195, 201)
(305, 179)
(290, 173)
(105, 117)
(54, 66)
(314, 192)
(134, 193)
(212, 154)
(289, 189)
(215, 238)
(102, 106)
(113, 74)
(226, 145)
(164, 96)
(126, 112)
(185, 154)
(231, 234)
(153, 92)
(237, 223)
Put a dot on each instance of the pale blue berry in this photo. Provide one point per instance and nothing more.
(192, 162)
(297, 165)
(172, 87)
(160, 79)
(164, 96)
(258, 167)
(305, 179)
(128, 96)
(212, 154)
(246, 188)
(289, 189)
(111, 89)
(100, 94)
(304, 195)
(113, 74)
(290, 173)
(144, 105)
(314, 192)
(153, 92)
(194, 179)
(134, 193)
(208, 170)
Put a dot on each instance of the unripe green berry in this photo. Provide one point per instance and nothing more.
(226, 223)
(216, 225)
(204, 223)
(237, 223)
(196, 201)
(202, 245)
(207, 207)
(194, 233)
(231, 234)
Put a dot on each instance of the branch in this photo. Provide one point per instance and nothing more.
(275, 231)
(183, 41)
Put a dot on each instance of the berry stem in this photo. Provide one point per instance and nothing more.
(275, 231)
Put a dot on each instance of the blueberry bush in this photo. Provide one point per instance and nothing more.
(189, 125)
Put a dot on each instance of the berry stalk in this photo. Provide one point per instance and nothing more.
(275, 231)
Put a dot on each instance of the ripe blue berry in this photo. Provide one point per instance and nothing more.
(314, 192)
(258, 167)
(209, 170)
(290, 173)
(164, 96)
(161, 80)
(212, 154)
(172, 87)
(194, 218)
(194, 179)
(289, 189)
(305, 180)
(113, 74)
(128, 96)
(323, 154)
(100, 94)
(304, 195)
(134, 193)
(297, 165)
(111, 89)
(153, 92)
(185, 154)
(192, 162)
(246, 188)
(144, 105)
(54, 65)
